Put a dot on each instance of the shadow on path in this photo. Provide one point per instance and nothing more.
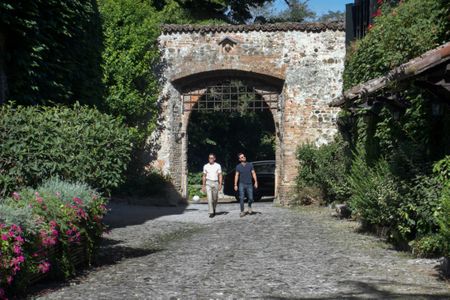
(123, 214)
(365, 290)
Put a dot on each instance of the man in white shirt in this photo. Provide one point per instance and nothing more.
(212, 183)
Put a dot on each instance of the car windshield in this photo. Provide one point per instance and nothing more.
(264, 168)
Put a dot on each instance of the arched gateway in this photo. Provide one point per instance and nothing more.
(296, 69)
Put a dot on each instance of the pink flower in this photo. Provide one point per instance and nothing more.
(19, 239)
(17, 250)
(39, 200)
(9, 279)
(78, 201)
(53, 223)
(58, 194)
(4, 237)
(16, 196)
(82, 214)
(44, 267)
(16, 228)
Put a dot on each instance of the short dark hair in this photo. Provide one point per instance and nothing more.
(240, 153)
(212, 155)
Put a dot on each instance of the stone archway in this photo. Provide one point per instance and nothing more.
(302, 62)
(193, 93)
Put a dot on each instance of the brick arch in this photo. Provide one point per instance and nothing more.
(261, 83)
(302, 62)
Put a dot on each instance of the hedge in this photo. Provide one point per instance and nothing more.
(78, 144)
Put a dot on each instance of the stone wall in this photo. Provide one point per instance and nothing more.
(307, 63)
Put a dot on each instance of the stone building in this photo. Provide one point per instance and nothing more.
(299, 65)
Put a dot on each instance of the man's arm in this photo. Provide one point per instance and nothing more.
(236, 178)
(220, 181)
(255, 179)
(204, 182)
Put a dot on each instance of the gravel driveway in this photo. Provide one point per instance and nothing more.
(277, 253)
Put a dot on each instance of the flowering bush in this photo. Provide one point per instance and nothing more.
(35, 222)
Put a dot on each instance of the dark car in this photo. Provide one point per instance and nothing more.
(265, 172)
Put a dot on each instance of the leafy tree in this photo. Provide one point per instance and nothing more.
(234, 11)
(332, 16)
(52, 51)
(296, 11)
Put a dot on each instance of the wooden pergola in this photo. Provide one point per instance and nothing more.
(430, 71)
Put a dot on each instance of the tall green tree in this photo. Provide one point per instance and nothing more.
(234, 11)
(296, 11)
(332, 16)
(52, 51)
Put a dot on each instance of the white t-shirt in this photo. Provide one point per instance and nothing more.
(212, 171)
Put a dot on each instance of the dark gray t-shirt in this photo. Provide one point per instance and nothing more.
(245, 173)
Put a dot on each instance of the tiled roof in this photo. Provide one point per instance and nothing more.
(412, 68)
(288, 26)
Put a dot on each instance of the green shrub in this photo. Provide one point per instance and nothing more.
(22, 216)
(324, 168)
(428, 246)
(406, 209)
(150, 183)
(77, 144)
(67, 190)
(375, 195)
(444, 219)
(442, 170)
(195, 185)
(419, 205)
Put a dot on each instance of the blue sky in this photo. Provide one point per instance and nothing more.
(319, 6)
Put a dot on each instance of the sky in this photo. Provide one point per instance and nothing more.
(319, 6)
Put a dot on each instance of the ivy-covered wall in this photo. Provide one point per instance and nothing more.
(388, 153)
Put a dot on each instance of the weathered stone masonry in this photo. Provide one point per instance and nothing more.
(303, 62)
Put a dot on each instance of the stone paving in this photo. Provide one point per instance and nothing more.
(180, 253)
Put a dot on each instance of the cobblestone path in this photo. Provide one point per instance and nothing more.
(274, 254)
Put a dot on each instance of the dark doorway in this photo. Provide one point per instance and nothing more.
(229, 117)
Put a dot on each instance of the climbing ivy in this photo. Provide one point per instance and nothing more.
(399, 34)
(52, 51)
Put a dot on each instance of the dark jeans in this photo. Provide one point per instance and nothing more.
(245, 188)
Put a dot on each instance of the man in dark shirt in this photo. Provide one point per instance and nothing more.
(244, 174)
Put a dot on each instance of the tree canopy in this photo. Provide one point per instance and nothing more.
(234, 11)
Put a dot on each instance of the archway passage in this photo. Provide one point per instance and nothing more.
(227, 117)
